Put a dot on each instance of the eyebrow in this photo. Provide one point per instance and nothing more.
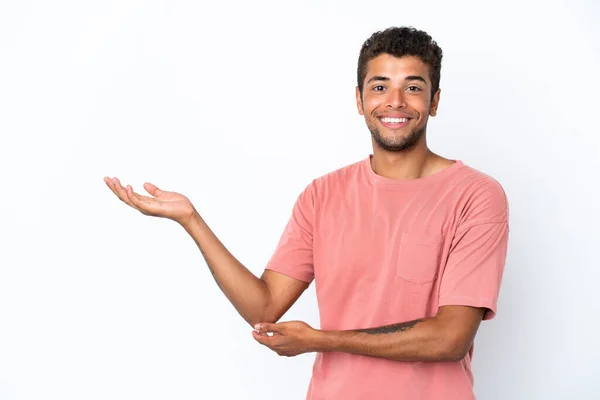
(408, 78)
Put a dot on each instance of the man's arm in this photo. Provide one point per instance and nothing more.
(256, 299)
(446, 337)
(264, 299)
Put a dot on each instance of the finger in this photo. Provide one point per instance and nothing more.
(144, 204)
(260, 333)
(119, 189)
(143, 199)
(153, 190)
(262, 338)
(268, 327)
(262, 327)
(128, 196)
(111, 185)
(116, 188)
(122, 194)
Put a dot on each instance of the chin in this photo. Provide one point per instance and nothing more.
(395, 137)
(397, 142)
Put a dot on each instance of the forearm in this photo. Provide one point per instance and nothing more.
(248, 293)
(419, 340)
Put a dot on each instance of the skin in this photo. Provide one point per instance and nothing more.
(392, 87)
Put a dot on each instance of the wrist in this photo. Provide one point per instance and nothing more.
(192, 222)
(324, 341)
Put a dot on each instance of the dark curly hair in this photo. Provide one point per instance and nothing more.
(399, 42)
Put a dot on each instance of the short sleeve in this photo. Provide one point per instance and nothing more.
(293, 255)
(475, 265)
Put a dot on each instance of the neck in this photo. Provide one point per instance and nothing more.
(415, 163)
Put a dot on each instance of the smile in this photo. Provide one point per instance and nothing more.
(394, 122)
(390, 120)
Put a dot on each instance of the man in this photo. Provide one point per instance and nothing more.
(406, 248)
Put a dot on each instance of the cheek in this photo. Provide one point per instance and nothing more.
(422, 108)
(369, 106)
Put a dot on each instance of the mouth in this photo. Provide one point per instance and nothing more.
(394, 122)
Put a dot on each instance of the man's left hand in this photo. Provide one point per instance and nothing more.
(288, 339)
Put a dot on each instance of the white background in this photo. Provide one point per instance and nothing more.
(239, 105)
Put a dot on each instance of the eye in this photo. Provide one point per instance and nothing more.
(378, 88)
(414, 89)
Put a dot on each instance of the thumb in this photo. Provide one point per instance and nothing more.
(153, 190)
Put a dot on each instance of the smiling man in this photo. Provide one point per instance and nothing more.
(406, 248)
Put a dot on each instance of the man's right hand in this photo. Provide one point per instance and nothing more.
(163, 204)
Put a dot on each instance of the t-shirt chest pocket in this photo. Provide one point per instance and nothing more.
(419, 257)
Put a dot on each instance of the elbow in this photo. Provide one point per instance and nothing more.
(455, 354)
(266, 316)
(263, 311)
(454, 350)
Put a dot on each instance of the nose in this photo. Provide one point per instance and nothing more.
(395, 99)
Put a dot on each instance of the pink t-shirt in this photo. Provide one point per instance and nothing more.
(384, 251)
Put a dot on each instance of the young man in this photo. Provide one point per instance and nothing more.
(406, 248)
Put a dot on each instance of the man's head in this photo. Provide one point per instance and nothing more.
(397, 89)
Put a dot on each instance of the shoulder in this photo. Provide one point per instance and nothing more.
(331, 183)
(337, 179)
(480, 184)
(482, 197)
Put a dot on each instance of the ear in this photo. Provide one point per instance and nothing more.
(359, 104)
(435, 101)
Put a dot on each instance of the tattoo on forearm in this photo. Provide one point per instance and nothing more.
(401, 327)
(214, 276)
(210, 268)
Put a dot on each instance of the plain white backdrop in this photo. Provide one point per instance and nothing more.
(239, 105)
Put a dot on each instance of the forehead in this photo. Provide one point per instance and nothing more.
(396, 68)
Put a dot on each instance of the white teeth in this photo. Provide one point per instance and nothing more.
(390, 120)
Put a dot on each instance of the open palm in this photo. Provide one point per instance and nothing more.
(162, 204)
